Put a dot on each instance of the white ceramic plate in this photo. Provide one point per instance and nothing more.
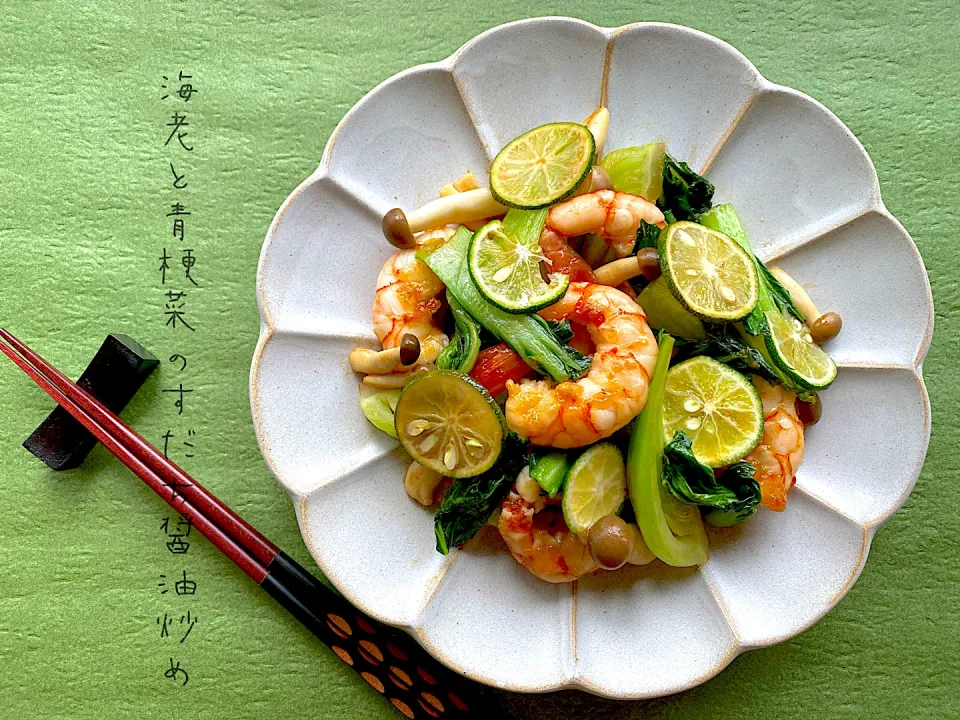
(809, 198)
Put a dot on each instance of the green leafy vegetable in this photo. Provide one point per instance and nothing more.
(470, 502)
(672, 530)
(561, 329)
(525, 226)
(648, 236)
(461, 353)
(549, 469)
(774, 298)
(685, 193)
(739, 477)
(725, 344)
(562, 333)
(692, 482)
(781, 296)
(487, 338)
(529, 335)
(664, 312)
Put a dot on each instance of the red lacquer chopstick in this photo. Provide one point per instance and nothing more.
(197, 495)
(168, 492)
(389, 660)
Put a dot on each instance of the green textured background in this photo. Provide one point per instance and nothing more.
(84, 182)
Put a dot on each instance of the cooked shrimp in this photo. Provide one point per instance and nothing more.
(613, 391)
(611, 215)
(563, 258)
(407, 300)
(539, 539)
(780, 452)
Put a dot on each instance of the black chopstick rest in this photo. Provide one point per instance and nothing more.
(117, 371)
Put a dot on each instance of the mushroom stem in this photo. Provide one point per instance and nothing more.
(421, 483)
(597, 179)
(458, 208)
(798, 294)
(396, 380)
(600, 178)
(599, 123)
(382, 362)
(372, 362)
(618, 271)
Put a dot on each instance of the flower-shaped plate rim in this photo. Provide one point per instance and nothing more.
(762, 85)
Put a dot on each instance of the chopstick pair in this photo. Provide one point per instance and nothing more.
(388, 659)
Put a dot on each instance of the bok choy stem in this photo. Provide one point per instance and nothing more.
(671, 529)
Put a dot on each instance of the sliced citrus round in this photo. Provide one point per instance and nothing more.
(717, 407)
(596, 485)
(507, 271)
(449, 423)
(710, 274)
(542, 166)
(793, 351)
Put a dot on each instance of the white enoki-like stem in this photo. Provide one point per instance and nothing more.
(798, 294)
(639, 553)
(460, 208)
(455, 209)
(599, 123)
(395, 381)
(375, 362)
(617, 272)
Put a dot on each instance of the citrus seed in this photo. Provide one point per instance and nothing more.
(415, 427)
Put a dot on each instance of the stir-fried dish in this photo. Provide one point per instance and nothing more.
(588, 355)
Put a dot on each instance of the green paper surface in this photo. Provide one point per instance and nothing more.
(86, 186)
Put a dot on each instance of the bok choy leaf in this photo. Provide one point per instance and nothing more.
(724, 344)
(731, 500)
(470, 502)
(686, 195)
(461, 353)
(672, 530)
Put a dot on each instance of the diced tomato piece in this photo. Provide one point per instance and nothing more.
(496, 365)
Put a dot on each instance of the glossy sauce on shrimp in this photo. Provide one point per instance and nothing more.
(407, 299)
(536, 535)
(614, 389)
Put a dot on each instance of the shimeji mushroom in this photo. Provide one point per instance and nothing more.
(373, 362)
(823, 326)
